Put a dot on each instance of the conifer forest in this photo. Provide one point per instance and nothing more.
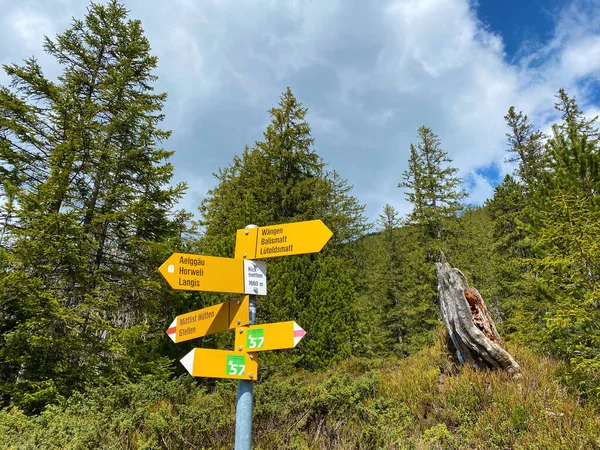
(89, 212)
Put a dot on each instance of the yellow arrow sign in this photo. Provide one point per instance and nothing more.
(270, 336)
(214, 274)
(281, 240)
(213, 319)
(203, 362)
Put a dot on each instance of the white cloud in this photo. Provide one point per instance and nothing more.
(434, 34)
(582, 58)
(370, 73)
(30, 27)
(480, 188)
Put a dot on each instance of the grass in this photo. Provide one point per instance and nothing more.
(420, 402)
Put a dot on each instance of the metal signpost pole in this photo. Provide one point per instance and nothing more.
(243, 409)
(245, 394)
(240, 275)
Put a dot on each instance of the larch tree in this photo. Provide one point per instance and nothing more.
(91, 212)
(546, 232)
(523, 300)
(567, 253)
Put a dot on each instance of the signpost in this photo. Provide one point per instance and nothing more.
(240, 275)
(281, 240)
(213, 319)
(203, 362)
(214, 274)
(270, 336)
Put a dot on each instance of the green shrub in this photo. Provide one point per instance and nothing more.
(420, 402)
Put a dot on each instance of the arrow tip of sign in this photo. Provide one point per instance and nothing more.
(161, 269)
(172, 331)
(188, 362)
(326, 229)
(299, 333)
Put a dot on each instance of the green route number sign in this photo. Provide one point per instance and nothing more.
(236, 364)
(255, 338)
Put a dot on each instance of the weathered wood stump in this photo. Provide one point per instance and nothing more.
(469, 325)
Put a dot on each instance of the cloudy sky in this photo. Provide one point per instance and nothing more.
(370, 73)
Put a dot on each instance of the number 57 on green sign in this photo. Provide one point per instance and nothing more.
(255, 338)
(236, 365)
(269, 336)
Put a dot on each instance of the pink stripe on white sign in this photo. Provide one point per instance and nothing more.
(298, 333)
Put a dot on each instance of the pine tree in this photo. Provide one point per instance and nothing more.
(92, 218)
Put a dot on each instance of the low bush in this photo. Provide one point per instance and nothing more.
(420, 402)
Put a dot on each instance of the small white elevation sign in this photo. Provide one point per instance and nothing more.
(255, 277)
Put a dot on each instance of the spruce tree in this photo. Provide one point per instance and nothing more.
(513, 204)
(431, 186)
(93, 217)
(522, 298)
(282, 179)
(390, 276)
(572, 117)
(526, 146)
(433, 189)
(388, 221)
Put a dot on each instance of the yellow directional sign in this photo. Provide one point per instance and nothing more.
(213, 319)
(281, 240)
(214, 274)
(270, 336)
(204, 362)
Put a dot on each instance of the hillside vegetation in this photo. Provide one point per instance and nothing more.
(88, 212)
(420, 402)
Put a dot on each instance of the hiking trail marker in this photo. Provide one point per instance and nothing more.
(204, 362)
(240, 275)
(213, 319)
(214, 274)
(281, 240)
(269, 336)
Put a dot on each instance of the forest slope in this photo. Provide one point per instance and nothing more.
(420, 402)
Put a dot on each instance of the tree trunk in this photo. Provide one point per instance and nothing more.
(468, 323)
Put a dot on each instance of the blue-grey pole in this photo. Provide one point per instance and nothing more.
(243, 409)
(245, 394)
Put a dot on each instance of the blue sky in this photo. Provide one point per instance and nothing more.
(520, 23)
(370, 72)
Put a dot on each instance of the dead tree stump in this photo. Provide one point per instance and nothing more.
(469, 325)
